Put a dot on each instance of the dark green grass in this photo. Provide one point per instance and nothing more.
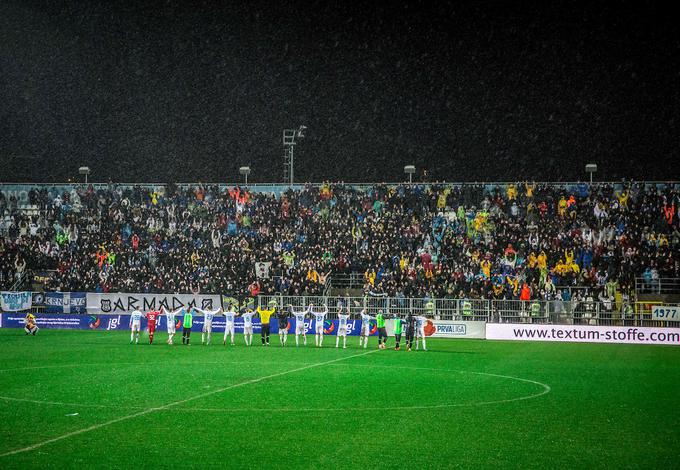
(610, 406)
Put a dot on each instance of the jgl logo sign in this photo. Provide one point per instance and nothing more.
(114, 323)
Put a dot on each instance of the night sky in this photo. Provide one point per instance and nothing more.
(181, 91)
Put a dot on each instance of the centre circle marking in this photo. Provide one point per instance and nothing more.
(545, 389)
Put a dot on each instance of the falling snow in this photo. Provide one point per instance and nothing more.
(192, 92)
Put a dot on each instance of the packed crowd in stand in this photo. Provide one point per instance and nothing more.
(513, 241)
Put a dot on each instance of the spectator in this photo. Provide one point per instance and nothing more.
(482, 240)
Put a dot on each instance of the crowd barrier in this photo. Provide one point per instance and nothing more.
(113, 322)
(447, 318)
(592, 313)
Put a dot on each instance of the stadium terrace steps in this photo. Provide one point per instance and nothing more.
(659, 298)
(341, 291)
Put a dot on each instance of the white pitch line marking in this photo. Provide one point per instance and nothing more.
(175, 403)
(546, 389)
(94, 364)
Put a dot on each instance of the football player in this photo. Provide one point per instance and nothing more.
(135, 325)
(31, 328)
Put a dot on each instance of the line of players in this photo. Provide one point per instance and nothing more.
(412, 325)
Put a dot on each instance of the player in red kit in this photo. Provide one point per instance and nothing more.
(151, 318)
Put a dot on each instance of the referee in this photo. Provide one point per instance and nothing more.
(265, 315)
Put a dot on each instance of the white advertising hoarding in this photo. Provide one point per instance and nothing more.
(446, 329)
(583, 334)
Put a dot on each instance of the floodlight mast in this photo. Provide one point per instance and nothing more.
(591, 168)
(409, 170)
(84, 170)
(290, 139)
(245, 171)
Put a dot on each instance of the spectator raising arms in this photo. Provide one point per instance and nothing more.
(437, 240)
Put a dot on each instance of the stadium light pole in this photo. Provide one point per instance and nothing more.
(290, 138)
(84, 170)
(245, 171)
(591, 168)
(409, 170)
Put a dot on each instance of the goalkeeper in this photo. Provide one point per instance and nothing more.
(31, 328)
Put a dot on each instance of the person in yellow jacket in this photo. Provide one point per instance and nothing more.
(623, 196)
(542, 260)
(568, 257)
(370, 276)
(31, 328)
(531, 208)
(513, 282)
(441, 199)
(403, 263)
(486, 268)
(562, 207)
(265, 316)
(512, 192)
(429, 274)
(312, 275)
(574, 267)
(532, 260)
(560, 268)
(498, 290)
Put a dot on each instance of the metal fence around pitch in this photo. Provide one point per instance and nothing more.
(642, 316)
(444, 309)
(558, 312)
(521, 311)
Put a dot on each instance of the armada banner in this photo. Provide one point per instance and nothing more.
(125, 303)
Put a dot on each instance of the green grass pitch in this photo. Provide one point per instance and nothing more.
(89, 399)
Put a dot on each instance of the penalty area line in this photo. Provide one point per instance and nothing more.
(175, 403)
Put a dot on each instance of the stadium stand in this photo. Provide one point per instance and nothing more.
(511, 242)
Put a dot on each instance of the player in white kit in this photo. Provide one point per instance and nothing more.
(342, 327)
(248, 326)
(170, 316)
(300, 316)
(229, 315)
(319, 318)
(208, 316)
(420, 330)
(135, 325)
(365, 328)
